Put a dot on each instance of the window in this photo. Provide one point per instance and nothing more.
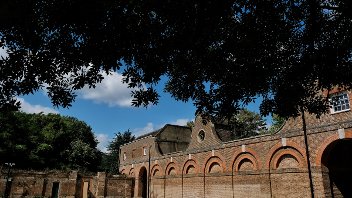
(201, 136)
(144, 151)
(339, 102)
(124, 156)
(133, 153)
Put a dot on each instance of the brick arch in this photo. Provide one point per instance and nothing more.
(141, 168)
(327, 142)
(171, 165)
(249, 154)
(210, 160)
(142, 177)
(279, 146)
(190, 162)
(294, 153)
(131, 172)
(244, 156)
(154, 168)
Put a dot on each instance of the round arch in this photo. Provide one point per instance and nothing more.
(289, 144)
(131, 172)
(190, 167)
(156, 170)
(249, 154)
(290, 153)
(171, 169)
(336, 166)
(244, 157)
(327, 142)
(214, 163)
(142, 182)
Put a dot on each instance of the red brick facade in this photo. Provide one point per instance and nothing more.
(262, 166)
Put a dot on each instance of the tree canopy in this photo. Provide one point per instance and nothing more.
(110, 161)
(219, 54)
(243, 124)
(38, 141)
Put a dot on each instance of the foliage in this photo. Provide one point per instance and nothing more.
(39, 141)
(244, 123)
(190, 124)
(110, 161)
(277, 123)
(219, 54)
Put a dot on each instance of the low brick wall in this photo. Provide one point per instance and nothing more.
(66, 184)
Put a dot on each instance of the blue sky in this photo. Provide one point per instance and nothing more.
(107, 109)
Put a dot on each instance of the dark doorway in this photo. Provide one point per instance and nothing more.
(338, 162)
(8, 188)
(55, 190)
(143, 185)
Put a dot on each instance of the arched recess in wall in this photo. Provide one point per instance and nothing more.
(215, 164)
(289, 156)
(156, 171)
(245, 162)
(334, 158)
(123, 172)
(171, 169)
(190, 167)
(131, 173)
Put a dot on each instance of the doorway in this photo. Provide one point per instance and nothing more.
(55, 190)
(143, 182)
(337, 162)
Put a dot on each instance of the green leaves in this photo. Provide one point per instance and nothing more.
(110, 160)
(243, 124)
(286, 51)
(39, 141)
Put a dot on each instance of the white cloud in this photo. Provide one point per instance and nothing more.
(181, 122)
(30, 108)
(110, 91)
(103, 140)
(147, 129)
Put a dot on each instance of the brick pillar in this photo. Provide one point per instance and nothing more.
(136, 187)
(101, 178)
(321, 181)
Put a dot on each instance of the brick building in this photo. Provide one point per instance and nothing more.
(201, 162)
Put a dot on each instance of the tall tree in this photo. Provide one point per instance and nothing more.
(217, 53)
(277, 123)
(110, 161)
(244, 123)
(39, 141)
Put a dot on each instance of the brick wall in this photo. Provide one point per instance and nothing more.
(40, 184)
(263, 166)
